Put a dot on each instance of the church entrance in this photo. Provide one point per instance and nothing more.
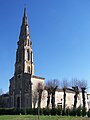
(18, 102)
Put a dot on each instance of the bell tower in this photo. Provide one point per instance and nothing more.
(20, 89)
(24, 55)
(24, 81)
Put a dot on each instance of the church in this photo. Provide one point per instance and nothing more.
(24, 81)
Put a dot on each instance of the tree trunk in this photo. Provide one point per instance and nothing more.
(48, 99)
(39, 104)
(64, 90)
(53, 100)
(75, 100)
(75, 96)
(83, 97)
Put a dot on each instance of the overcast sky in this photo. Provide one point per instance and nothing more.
(60, 33)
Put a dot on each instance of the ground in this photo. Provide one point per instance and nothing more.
(31, 117)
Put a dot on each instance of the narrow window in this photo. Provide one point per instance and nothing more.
(28, 42)
(28, 69)
(28, 55)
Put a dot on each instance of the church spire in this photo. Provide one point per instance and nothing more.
(25, 12)
(24, 54)
(25, 19)
(24, 32)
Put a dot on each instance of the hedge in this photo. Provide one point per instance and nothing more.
(46, 111)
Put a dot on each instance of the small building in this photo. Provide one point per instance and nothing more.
(4, 101)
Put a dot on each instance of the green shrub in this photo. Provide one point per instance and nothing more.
(17, 111)
(29, 111)
(79, 111)
(34, 111)
(63, 112)
(73, 112)
(41, 111)
(67, 111)
(22, 111)
(7, 111)
(59, 111)
(84, 112)
(53, 111)
(88, 113)
(46, 111)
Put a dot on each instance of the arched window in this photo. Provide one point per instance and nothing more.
(28, 69)
(28, 55)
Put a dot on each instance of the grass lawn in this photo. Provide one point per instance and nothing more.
(31, 117)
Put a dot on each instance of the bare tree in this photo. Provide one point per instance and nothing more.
(34, 97)
(39, 89)
(48, 88)
(51, 87)
(54, 86)
(64, 86)
(83, 86)
(76, 90)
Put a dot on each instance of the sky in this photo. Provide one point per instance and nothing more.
(60, 34)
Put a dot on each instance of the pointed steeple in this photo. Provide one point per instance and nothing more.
(24, 54)
(24, 27)
(25, 12)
